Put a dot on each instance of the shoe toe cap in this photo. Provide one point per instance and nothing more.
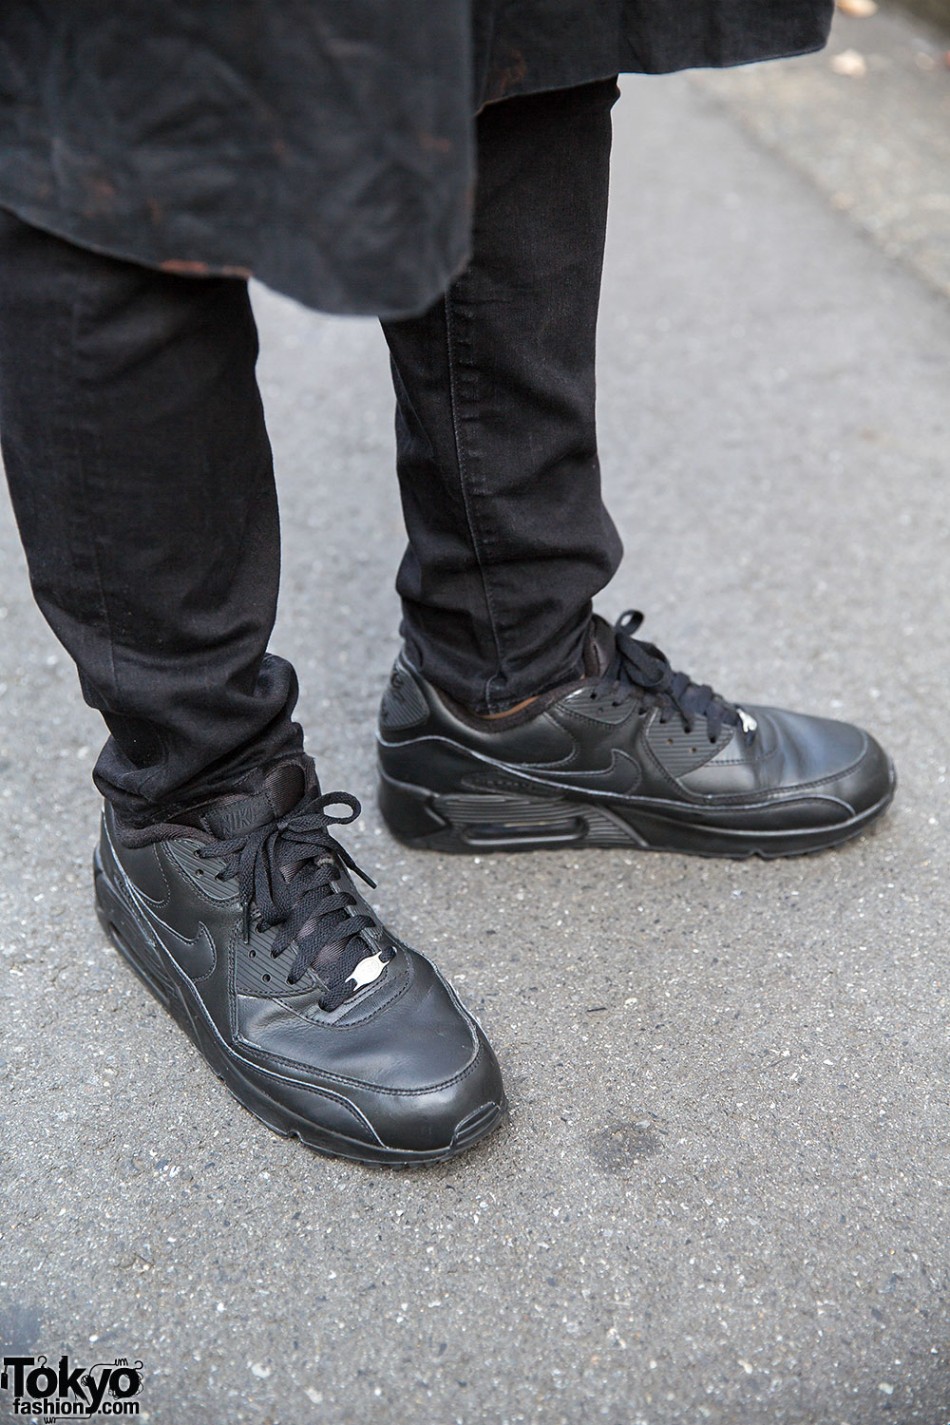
(831, 759)
(440, 1080)
(446, 1116)
(406, 1067)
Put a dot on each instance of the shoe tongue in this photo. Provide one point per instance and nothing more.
(280, 792)
(601, 647)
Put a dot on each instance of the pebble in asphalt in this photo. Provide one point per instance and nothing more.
(722, 1195)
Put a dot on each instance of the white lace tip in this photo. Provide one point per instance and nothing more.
(749, 723)
(367, 971)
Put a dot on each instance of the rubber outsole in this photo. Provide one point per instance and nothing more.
(183, 1004)
(471, 823)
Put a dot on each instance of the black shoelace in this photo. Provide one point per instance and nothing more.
(643, 668)
(285, 870)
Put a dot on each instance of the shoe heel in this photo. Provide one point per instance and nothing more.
(121, 928)
(409, 814)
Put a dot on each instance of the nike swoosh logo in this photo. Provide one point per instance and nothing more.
(620, 778)
(196, 956)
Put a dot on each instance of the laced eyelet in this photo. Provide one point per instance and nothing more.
(257, 861)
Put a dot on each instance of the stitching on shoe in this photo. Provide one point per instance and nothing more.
(327, 1094)
(772, 794)
(363, 1083)
(581, 716)
(778, 792)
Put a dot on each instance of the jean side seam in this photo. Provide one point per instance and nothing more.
(79, 465)
(463, 473)
(78, 445)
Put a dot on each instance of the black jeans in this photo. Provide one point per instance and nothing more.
(142, 481)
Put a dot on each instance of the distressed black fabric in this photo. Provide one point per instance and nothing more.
(521, 46)
(323, 145)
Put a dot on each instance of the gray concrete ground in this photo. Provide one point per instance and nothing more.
(935, 12)
(868, 120)
(722, 1196)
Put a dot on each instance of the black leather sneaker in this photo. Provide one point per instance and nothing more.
(246, 925)
(633, 755)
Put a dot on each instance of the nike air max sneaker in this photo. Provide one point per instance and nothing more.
(634, 755)
(245, 923)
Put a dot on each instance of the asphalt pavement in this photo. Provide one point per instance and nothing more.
(722, 1194)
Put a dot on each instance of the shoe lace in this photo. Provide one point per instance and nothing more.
(286, 869)
(643, 667)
